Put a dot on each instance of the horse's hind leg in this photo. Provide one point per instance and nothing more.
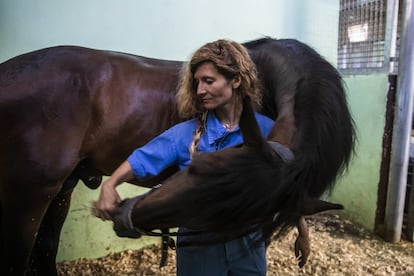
(21, 214)
(47, 241)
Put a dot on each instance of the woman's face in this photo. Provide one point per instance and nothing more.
(213, 88)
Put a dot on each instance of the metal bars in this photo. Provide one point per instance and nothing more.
(362, 36)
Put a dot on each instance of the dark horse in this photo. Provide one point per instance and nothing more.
(71, 113)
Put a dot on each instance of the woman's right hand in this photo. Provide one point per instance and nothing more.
(109, 197)
(107, 201)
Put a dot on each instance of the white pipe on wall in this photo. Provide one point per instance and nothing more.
(392, 7)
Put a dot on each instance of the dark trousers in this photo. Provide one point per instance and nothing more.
(236, 257)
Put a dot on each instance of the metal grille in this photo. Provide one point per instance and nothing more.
(362, 32)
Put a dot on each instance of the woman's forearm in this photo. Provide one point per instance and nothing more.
(122, 174)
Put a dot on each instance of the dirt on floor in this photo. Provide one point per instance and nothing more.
(338, 247)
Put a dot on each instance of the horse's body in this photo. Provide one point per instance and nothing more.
(70, 113)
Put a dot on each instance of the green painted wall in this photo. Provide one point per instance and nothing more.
(172, 30)
(83, 235)
(357, 190)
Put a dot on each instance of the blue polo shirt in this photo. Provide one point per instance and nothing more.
(172, 146)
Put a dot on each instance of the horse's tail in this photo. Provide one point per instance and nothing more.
(326, 131)
(325, 139)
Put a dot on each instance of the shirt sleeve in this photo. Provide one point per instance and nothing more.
(154, 157)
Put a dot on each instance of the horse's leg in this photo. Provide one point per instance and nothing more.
(310, 207)
(22, 213)
(47, 241)
(302, 243)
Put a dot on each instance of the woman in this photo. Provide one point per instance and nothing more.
(210, 95)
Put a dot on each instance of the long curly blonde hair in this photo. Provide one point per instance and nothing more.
(231, 59)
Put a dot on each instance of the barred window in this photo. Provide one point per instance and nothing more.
(362, 36)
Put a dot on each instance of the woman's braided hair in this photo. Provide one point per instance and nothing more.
(231, 59)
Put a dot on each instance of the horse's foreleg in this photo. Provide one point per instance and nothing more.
(302, 243)
(47, 241)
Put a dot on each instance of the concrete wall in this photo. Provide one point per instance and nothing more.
(172, 30)
(162, 28)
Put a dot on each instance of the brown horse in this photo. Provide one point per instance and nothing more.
(71, 113)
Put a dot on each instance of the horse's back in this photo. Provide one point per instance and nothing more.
(61, 104)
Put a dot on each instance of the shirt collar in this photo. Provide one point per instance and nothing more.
(214, 129)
